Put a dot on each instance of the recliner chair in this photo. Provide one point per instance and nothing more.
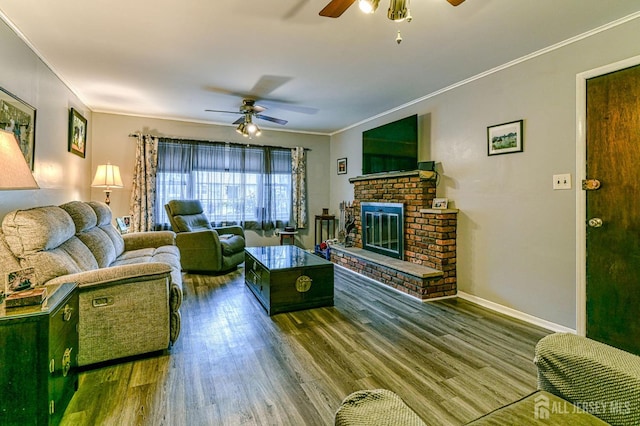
(204, 248)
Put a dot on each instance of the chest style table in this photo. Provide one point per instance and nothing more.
(287, 278)
(38, 358)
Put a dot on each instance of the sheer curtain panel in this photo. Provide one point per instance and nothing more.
(236, 184)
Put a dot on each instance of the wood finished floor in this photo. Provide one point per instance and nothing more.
(450, 360)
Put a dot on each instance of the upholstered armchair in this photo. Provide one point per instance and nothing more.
(204, 248)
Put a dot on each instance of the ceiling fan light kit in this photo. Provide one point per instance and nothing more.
(248, 128)
(249, 110)
(368, 6)
(398, 10)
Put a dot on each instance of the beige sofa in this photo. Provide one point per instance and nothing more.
(580, 382)
(130, 286)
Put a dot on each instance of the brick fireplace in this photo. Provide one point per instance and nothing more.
(429, 235)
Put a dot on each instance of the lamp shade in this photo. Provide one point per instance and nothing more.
(15, 173)
(107, 176)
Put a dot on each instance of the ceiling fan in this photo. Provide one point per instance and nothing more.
(249, 110)
(398, 9)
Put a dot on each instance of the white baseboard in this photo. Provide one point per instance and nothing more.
(479, 301)
(515, 314)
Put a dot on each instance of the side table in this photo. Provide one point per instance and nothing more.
(324, 223)
(38, 358)
(288, 235)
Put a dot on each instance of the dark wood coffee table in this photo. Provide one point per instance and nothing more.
(287, 278)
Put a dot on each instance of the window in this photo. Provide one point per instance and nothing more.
(246, 185)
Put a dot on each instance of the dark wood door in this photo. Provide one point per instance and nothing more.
(613, 245)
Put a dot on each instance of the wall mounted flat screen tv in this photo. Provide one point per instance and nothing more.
(392, 147)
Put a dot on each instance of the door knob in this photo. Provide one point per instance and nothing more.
(595, 222)
(590, 184)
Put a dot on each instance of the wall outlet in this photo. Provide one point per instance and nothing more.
(562, 181)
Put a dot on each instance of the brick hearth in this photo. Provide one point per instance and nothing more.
(430, 234)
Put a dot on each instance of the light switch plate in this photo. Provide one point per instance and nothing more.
(562, 181)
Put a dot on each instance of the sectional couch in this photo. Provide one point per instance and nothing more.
(130, 286)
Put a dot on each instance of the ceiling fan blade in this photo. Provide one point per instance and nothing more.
(335, 8)
(289, 106)
(272, 119)
(295, 9)
(455, 2)
(239, 120)
(267, 84)
(227, 112)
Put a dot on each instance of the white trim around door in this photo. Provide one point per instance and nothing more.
(581, 198)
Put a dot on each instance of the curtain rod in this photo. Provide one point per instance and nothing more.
(135, 135)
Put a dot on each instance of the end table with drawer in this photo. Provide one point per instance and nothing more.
(38, 358)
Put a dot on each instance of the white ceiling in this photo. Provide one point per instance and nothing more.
(176, 58)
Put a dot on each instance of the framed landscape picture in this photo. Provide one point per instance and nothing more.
(505, 138)
(77, 133)
(342, 166)
(19, 117)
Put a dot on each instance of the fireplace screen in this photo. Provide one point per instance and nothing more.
(383, 228)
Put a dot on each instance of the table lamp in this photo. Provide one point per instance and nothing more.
(108, 177)
(15, 173)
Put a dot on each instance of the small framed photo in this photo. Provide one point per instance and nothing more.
(505, 138)
(440, 203)
(77, 133)
(342, 166)
(123, 224)
(22, 279)
(19, 117)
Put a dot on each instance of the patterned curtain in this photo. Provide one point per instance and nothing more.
(299, 178)
(143, 193)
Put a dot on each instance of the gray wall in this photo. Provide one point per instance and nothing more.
(62, 176)
(516, 236)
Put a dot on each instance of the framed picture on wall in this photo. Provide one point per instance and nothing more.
(77, 133)
(342, 166)
(19, 117)
(505, 138)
